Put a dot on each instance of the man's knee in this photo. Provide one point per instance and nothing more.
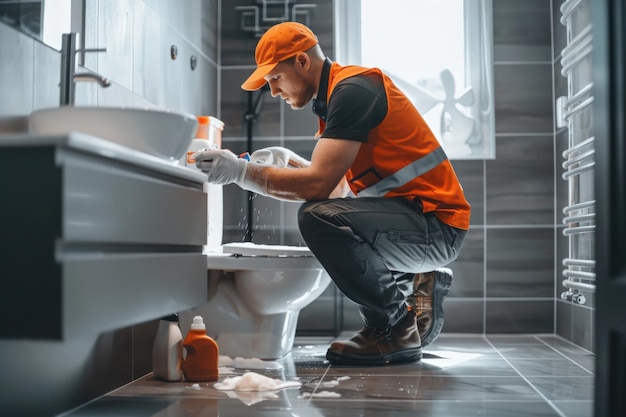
(305, 216)
(314, 215)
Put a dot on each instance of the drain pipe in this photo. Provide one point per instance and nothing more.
(254, 108)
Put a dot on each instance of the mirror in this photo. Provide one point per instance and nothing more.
(44, 20)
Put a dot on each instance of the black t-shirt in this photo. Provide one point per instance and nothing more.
(357, 105)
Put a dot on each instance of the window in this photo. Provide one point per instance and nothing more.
(438, 53)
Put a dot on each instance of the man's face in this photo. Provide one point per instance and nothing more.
(289, 80)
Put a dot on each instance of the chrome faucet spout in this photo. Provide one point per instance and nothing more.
(90, 76)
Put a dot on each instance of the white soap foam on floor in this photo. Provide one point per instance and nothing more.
(226, 370)
(224, 361)
(254, 363)
(248, 363)
(321, 394)
(251, 381)
(325, 394)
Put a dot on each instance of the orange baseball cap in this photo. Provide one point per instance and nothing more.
(280, 42)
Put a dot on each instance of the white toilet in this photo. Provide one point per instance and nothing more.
(255, 292)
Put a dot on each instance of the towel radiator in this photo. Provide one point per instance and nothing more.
(578, 165)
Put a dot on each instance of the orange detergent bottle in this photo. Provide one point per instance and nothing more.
(203, 127)
(201, 361)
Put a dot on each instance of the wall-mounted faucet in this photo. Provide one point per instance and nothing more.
(91, 76)
(68, 67)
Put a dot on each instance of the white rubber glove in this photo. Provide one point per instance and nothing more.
(221, 166)
(224, 167)
(278, 156)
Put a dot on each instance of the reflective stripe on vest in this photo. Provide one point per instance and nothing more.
(405, 175)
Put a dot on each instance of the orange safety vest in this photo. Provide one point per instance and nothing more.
(402, 157)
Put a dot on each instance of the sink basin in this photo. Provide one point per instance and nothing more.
(159, 133)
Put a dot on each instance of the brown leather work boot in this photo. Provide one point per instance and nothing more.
(429, 288)
(371, 346)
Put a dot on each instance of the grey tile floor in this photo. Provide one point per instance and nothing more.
(459, 375)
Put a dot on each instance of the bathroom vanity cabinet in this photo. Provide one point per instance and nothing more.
(95, 237)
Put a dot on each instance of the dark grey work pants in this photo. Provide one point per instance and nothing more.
(371, 247)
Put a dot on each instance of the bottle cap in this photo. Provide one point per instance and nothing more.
(202, 131)
(204, 120)
(198, 323)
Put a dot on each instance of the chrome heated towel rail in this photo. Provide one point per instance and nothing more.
(578, 165)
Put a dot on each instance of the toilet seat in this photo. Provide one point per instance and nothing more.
(251, 256)
(254, 249)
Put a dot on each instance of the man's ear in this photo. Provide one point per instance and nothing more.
(303, 60)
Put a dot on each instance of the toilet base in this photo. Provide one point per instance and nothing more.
(238, 331)
(261, 341)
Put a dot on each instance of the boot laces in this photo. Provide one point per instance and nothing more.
(379, 334)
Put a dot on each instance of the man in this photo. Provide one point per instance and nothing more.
(383, 208)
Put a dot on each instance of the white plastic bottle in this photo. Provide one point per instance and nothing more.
(167, 350)
(209, 136)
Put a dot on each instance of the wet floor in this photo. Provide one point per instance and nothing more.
(460, 375)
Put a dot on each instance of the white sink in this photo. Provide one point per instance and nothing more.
(159, 133)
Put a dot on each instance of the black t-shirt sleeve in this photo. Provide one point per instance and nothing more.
(357, 105)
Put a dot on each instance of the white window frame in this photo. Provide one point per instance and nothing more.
(480, 144)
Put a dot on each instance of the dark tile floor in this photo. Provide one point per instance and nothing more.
(460, 375)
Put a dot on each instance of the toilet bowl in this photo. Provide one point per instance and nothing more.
(255, 295)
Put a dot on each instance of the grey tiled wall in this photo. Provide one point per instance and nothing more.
(29, 74)
(518, 207)
(137, 35)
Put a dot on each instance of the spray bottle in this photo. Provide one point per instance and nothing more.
(201, 362)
